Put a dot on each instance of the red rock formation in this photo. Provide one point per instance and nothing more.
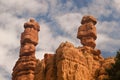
(73, 63)
(68, 62)
(87, 31)
(26, 64)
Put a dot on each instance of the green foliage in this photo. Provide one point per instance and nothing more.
(114, 72)
(118, 54)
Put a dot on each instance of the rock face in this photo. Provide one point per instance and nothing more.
(26, 64)
(68, 62)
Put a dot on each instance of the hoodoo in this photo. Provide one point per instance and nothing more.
(87, 31)
(24, 68)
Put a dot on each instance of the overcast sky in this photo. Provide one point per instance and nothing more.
(59, 21)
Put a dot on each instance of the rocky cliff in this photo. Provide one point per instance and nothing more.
(68, 62)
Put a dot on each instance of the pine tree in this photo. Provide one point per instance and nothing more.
(114, 71)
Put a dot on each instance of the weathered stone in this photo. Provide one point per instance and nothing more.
(40, 70)
(24, 68)
(87, 31)
(32, 24)
(68, 62)
(71, 64)
(27, 49)
(87, 19)
(50, 70)
(88, 41)
(29, 35)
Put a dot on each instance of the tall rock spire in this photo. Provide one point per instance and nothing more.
(87, 31)
(25, 66)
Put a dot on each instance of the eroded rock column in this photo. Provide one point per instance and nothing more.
(87, 31)
(25, 66)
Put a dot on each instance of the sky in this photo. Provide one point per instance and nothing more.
(59, 21)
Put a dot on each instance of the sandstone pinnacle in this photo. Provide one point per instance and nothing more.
(87, 31)
(24, 68)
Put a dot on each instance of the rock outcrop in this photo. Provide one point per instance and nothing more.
(68, 62)
(26, 64)
(87, 31)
